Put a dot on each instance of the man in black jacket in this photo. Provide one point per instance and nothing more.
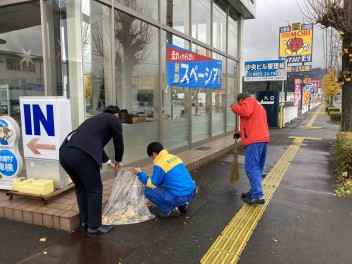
(82, 154)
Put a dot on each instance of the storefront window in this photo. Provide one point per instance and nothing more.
(175, 102)
(219, 101)
(97, 63)
(219, 24)
(233, 32)
(137, 83)
(231, 93)
(201, 20)
(146, 7)
(21, 56)
(201, 105)
(176, 14)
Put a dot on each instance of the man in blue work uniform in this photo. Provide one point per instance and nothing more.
(170, 173)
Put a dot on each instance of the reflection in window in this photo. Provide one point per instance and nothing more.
(218, 101)
(97, 59)
(219, 25)
(21, 57)
(176, 14)
(30, 67)
(137, 82)
(201, 105)
(175, 102)
(201, 20)
(232, 32)
(55, 39)
(13, 64)
(231, 93)
(146, 7)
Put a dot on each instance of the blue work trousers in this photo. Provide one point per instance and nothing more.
(165, 200)
(254, 166)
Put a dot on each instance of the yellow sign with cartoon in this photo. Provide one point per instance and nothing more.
(296, 42)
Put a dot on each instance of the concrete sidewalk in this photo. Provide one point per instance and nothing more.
(302, 221)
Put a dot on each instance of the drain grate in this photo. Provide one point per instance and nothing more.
(203, 148)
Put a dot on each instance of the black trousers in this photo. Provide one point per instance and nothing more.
(85, 174)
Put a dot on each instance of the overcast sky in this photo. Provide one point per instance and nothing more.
(261, 35)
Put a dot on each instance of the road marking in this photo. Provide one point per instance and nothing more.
(299, 139)
(228, 247)
(312, 120)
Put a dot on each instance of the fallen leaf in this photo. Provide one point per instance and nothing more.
(43, 239)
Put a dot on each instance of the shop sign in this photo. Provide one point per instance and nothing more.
(192, 70)
(275, 70)
(45, 123)
(10, 160)
(296, 42)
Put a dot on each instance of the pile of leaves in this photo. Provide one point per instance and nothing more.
(343, 160)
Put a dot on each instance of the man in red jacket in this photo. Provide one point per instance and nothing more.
(254, 134)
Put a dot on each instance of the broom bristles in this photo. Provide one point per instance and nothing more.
(234, 172)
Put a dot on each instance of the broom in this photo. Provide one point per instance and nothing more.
(234, 172)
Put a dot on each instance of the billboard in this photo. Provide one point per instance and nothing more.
(300, 68)
(296, 42)
(188, 69)
(271, 70)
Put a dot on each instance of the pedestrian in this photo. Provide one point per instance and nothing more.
(82, 154)
(169, 172)
(254, 134)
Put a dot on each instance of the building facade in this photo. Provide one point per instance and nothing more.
(103, 52)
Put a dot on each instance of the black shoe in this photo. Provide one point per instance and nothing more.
(102, 229)
(250, 200)
(173, 212)
(184, 208)
(247, 194)
(83, 228)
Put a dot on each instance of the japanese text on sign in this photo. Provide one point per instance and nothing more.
(295, 42)
(300, 68)
(265, 70)
(188, 69)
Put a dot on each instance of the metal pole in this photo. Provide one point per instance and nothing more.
(282, 104)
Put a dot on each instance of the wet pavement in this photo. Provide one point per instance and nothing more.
(302, 221)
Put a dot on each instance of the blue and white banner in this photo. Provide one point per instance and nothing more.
(272, 70)
(192, 70)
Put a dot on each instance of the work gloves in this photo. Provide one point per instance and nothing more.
(236, 135)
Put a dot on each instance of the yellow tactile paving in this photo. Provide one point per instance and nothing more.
(228, 247)
(315, 114)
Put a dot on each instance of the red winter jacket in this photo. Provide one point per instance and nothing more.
(253, 121)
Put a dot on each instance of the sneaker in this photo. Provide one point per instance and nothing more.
(102, 229)
(184, 208)
(250, 200)
(174, 212)
(244, 195)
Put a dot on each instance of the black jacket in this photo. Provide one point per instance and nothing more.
(94, 133)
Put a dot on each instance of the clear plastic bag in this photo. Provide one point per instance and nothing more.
(127, 203)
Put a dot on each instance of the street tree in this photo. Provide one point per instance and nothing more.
(338, 15)
(331, 86)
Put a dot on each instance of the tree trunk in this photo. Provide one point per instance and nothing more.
(346, 116)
